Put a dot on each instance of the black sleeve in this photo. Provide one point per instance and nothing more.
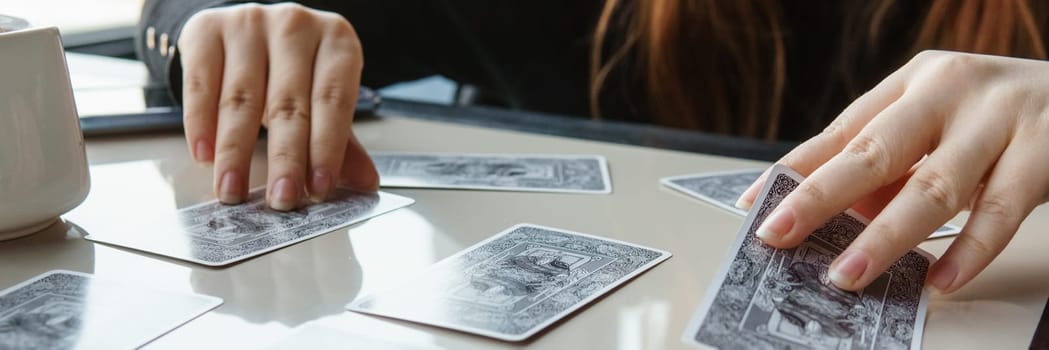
(532, 54)
(157, 32)
(528, 54)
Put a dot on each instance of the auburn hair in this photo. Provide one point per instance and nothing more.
(720, 66)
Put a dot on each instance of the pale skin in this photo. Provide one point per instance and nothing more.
(290, 69)
(946, 132)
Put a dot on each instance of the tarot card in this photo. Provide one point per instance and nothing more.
(67, 310)
(216, 234)
(514, 284)
(501, 172)
(947, 230)
(722, 189)
(770, 298)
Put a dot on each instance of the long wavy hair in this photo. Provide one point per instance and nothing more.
(720, 66)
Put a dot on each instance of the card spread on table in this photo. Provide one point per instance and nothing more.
(723, 188)
(515, 283)
(71, 310)
(772, 298)
(216, 234)
(503, 172)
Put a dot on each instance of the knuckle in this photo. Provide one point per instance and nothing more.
(835, 131)
(288, 109)
(891, 232)
(334, 95)
(240, 99)
(795, 156)
(193, 24)
(926, 55)
(195, 85)
(938, 189)
(998, 208)
(813, 190)
(201, 27)
(966, 67)
(233, 147)
(287, 158)
(340, 27)
(872, 153)
(980, 245)
(344, 42)
(249, 15)
(294, 18)
(345, 36)
(923, 60)
(1008, 98)
(285, 6)
(1007, 93)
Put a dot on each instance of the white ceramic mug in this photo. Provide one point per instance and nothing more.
(43, 168)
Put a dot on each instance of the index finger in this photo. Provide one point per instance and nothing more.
(817, 150)
(202, 59)
(883, 152)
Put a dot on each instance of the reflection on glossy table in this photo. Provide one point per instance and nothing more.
(309, 283)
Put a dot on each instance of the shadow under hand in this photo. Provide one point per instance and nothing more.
(294, 285)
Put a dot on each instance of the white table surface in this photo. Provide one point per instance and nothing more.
(308, 284)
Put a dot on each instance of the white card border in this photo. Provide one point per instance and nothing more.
(606, 178)
(211, 302)
(664, 255)
(401, 202)
(712, 289)
(954, 231)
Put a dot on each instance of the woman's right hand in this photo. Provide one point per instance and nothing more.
(293, 70)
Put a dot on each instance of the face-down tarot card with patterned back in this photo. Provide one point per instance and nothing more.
(72, 310)
(498, 172)
(513, 285)
(771, 298)
(722, 189)
(217, 234)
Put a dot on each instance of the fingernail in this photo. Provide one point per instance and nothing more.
(743, 203)
(202, 152)
(848, 268)
(776, 225)
(943, 276)
(230, 188)
(320, 184)
(285, 195)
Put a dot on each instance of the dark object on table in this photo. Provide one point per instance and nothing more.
(162, 114)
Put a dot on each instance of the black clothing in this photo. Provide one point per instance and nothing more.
(534, 54)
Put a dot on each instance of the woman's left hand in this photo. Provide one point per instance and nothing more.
(946, 132)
